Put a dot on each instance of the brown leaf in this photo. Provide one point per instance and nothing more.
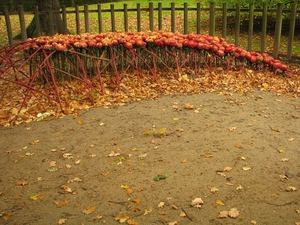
(223, 214)
(129, 191)
(233, 213)
(132, 222)
(52, 164)
(89, 210)
(61, 203)
(238, 146)
(197, 202)
(162, 213)
(219, 202)
(136, 201)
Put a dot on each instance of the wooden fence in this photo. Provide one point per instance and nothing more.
(185, 9)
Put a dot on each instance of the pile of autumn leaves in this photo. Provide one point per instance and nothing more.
(205, 44)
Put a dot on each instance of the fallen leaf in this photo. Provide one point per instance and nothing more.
(183, 160)
(233, 213)
(77, 162)
(281, 151)
(173, 223)
(61, 203)
(54, 169)
(197, 202)
(97, 218)
(162, 213)
(21, 184)
(112, 154)
(143, 155)
(105, 174)
(36, 197)
(283, 177)
(219, 202)
(175, 119)
(62, 221)
(35, 142)
(174, 207)
(246, 168)
(6, 216)
(93, 156)
(208, 156)
(297, 211)
(67, 156)
(89, 210)
(129, 191)
(147, 211)
(122, 219)
(239, 187)
(232, 128)
(291, 139)
(284, 160)
(52, 164)
(222, 214)
(214, 190)
(132, 222)
(68, 166)
(161, 205)
(253, 222)
(182, 214)
(189, 106)
(238, 146)
(227, 169)
(80, 122)
(291, 188)
(136, 201)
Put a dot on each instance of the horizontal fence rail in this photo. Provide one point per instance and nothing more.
(173, 9)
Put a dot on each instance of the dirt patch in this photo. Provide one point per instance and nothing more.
(231, 151)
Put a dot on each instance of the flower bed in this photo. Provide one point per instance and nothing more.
(89, 58)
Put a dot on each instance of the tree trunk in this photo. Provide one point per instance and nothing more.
(44, 6)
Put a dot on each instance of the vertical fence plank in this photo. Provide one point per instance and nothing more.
(250, 28)
(22, 22)
(237, 24)
(99, 18)
(138, 15)
(37, 21)
(151, 15)
(51, 24)
(64, 18)
(212, 21)
(125, 9)
(86, 18)
(198, 17)
(185, 18)
(160, 16)
(112, 18)
(224, 20)
(8, 25)
(263, 41)
(291, 31)
(77, 19)
(172, 16)
(278, 26)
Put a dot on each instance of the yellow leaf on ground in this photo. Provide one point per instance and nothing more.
(62, 221)
(132, 222)
(219, 202)
(175, 119)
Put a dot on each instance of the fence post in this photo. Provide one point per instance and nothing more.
(51, 25)
(64, 18)
(264, 28)
(198, 17)
(86, 18)
(138, 15)
(291, 31)
(77, 19)
(37, 21)
(112, 17)
(99, 18)
(125, 17)
(278, 26)
(22, 23)
(8, 25)
(151, 23)
(250, 28)
(224, 20)
(172, 16)
(212, 21)
(237, 24)
(160, 16)
(185, 18)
